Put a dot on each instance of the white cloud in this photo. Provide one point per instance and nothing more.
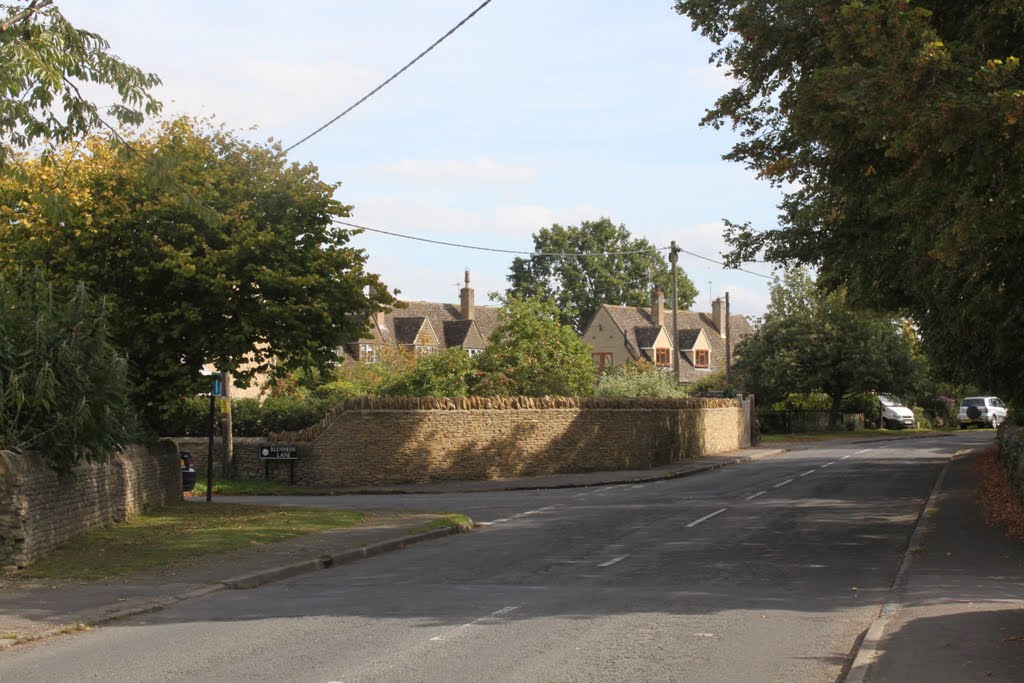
(267, 93)
(526, 219)
(482, 171)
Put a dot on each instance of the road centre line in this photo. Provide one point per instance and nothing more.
(492, 615)
(759, 493)
(807, 473)
(612, 561)
(829, 463)
(847, 456)
(863, 451)
(705, 518)
(783, 483)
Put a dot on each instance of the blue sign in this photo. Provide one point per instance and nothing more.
(218, 385)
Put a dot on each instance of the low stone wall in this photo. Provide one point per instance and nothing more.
(1011, 454)
(40, 511)
(367, 442)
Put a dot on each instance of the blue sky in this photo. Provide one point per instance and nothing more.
(534, 112)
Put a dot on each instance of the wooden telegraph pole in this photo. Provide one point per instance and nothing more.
(673, 258)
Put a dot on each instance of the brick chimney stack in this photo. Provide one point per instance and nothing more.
(658, 306)
(718, 315)
(466, 307)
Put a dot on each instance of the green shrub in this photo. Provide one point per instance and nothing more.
(187, 417)
(864, 403)
(63, 386)
(640, 380)
(290, 414)
(803, 403)
(247, 417)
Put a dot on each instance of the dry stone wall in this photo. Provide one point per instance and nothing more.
(368, 442)
(40, 511)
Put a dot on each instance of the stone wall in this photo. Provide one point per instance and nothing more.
(40, 511)
(367, 442)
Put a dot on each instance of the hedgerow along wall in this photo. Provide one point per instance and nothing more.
(40, 511)
(1011, 454)
(384, 441)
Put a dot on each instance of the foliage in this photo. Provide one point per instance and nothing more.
(580, 284)
(897, 126)
(262, 282)
(638, 379)
(191, 416)
(447, 373)
(63, 386)
(812, 341)
(531, 353)
(43, 61)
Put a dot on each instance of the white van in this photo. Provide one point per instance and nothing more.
(895, 415)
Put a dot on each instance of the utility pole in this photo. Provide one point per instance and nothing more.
(728, 344)
(673, 258)
(227, 462)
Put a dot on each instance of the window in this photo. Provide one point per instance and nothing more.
(368, 353)
(700, 358)
(662, 357)
(602, 361)
(424, 350)
(474, 352)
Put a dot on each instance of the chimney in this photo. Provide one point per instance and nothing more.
(718, 313)
(658, 306)
(466, 307)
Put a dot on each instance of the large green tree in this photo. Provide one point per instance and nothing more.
(260, 280)
(895, 127)
(811, 340)
(617, 268)
(531, 353)
(43, 62)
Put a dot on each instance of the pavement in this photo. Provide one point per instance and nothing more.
(955, 611)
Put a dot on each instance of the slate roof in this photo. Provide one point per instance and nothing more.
(636, 323)
(401, 325)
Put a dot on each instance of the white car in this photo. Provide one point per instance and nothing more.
(894, 413)
(984, 411)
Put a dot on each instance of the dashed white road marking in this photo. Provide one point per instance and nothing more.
(492, 615)
(612, 561)
(829, 463)
(498, 521)
(863, 451)
(807, 473)
(705, 518)
(783, 483)
(847, 456)
(759, 493)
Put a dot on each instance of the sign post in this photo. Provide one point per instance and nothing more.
(216, 389)
(286, 452)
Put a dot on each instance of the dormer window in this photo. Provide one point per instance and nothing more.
(700, 357)
(368, 353)
(662, 358)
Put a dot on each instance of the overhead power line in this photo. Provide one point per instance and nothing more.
(537, 253)
(393, 76)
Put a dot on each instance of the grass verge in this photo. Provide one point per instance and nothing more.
(444, 521)
(179, 533)
(845, 434)
(257, 487)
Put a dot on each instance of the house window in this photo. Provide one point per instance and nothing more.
(601, 360)
(425, 350)
(700, 358)
(662, 358)
(368, 353)
(474, 352)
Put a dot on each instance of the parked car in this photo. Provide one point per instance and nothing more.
(894, 414)
(984, 411)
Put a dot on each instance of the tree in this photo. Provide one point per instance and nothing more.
(63, 386)
(619, 269)
(531, 353)
(261, 281)
(43, 60)
(898, 125)
(813, 340)
(438, 374)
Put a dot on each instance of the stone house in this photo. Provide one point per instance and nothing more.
(618, 334)
(427, 327)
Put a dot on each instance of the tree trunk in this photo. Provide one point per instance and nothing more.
(834, 415)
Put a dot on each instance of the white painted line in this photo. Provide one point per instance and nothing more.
(499, 521)
(705, 518)
(863, 451)
(807, 472)
(483, 523)
(759, 493)
(829, 463)
(612, 561)
(492, 615)
(783, 483)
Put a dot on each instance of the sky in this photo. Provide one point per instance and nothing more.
(534, 112)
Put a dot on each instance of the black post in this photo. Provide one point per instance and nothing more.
(209, 455)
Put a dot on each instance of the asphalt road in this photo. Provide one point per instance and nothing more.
(765, 571)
